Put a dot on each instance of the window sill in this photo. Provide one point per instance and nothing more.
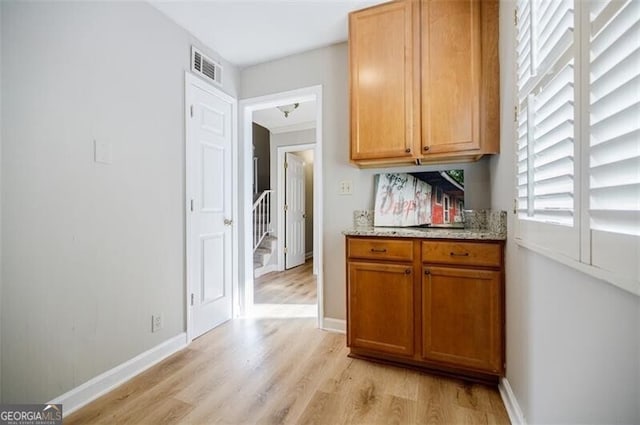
(625, 284)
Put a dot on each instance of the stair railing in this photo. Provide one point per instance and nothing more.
(261, 217)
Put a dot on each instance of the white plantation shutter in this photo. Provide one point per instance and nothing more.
(614, 135)
(546, 111)
(578, 134)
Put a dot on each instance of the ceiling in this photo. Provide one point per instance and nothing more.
(247, 32)
(302, 118)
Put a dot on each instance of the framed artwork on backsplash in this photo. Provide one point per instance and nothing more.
(433, 198)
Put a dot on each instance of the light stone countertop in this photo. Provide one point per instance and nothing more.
(427, 233)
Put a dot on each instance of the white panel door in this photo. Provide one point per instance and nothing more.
(294, 215)
(209, 172)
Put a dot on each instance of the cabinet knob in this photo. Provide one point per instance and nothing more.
(425, 148)
(427, 272)
(408, 271)
(408, 150)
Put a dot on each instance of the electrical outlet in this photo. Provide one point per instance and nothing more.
(344, 187)
(156, 323)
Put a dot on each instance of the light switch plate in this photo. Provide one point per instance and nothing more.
(103, 152)
(344, 187)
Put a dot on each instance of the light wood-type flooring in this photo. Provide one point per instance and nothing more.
(294, 286)
(286, 371)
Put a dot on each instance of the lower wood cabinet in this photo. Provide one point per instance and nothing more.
(380, 307)
(436, 304)
(461, 322)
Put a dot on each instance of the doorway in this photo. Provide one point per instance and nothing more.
(247, 108)
(446, 208)
(284, 259)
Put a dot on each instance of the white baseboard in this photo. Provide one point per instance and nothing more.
(83, 394)
(334, 325)
(264, 270)
(511, 403)
(308, 255)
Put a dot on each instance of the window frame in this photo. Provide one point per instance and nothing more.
(565, 239)
(572, 246)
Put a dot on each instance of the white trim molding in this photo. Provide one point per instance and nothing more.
(334, 325)
(246, 108)
(624, 283)
(511, 403)
(85, 393)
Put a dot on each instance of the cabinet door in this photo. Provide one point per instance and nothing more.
(384, 79)
(451, 65)
(462, 317)
(380, 308)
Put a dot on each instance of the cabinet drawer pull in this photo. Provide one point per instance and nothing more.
(455, 254)
(407, 271)
(378, 249)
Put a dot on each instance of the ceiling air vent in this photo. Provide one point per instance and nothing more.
(206, 67)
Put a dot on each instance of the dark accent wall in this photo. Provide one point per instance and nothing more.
(261, 150)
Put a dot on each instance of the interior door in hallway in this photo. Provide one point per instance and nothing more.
(294, 214)
(209, 187)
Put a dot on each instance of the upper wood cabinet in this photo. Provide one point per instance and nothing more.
(424, 81)
(385, 81)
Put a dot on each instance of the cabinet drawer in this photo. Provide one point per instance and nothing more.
(380, 249)
(465, 253)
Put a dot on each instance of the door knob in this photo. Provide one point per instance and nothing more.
(228, 222)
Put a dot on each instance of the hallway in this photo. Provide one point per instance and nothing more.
(287, 294)
(294, 286)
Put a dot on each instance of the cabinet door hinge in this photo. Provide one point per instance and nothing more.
(286, 250)
(515, 17)
(286, 207)
(192, 299)
(515, 113)
(191, 205)
(191, 110)
(286, 165)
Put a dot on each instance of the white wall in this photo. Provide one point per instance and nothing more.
(90, 251)
(572, 341)
(329, 67)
